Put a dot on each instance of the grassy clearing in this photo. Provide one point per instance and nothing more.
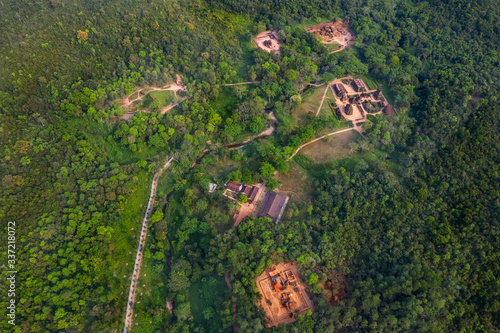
(219, 168)
(151, 291)
(318, 170)
(332, 47)
(311, 100)
(388, 93)
(350, 163)
(326, 109)
(162, 99)
(206, 297)
(296, 183)
(338, 147)
(165, 97)
(339, 125)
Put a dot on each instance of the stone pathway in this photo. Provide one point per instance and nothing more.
(140, 250)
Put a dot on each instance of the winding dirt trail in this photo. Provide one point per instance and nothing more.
(320, 138)
(140, 249)
(173, 105)
(173, 87)
(126, 102)
(240, 83)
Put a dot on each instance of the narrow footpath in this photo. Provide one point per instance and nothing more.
(322, 137)
(322, 100)
(240, 83)
(140, 249)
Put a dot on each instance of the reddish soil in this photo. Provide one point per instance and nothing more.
(139, 94)
(359, 114)
(290, 299)
(228, 283)
(265, 38)
(335, 288)
(333, 32)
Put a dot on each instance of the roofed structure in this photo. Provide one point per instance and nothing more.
(251, 192)
(339, 87)
(358, 85)
(273, 206)
(233, 186)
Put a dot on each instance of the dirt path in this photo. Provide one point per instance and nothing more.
(237, 84)
(338, 50)
(322, 100)
(126, 102)
(226, 277)
(170, 306)
(320, 138)
(267, 132)
(316, 85)
(173, 87)
(173, 105)
(140, 249)
(163, 110)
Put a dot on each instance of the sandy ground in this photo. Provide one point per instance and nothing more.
(170, 306)
(140, 249)
(341, 34)
(140, 93)
(275, 312)
(228, 283)
(263, 36)
(356, 117)
(248, 209)
(245, 210)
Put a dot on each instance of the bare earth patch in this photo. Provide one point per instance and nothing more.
(284, 297)
(177, 87)
(349, 102)
(333, 33)
(268, 41)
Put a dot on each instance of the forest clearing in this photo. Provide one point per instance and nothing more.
(353, 101)
(333, 33)
(268, 41)
(337, 147)
(134, 280)
(161, 98)
(283, 294)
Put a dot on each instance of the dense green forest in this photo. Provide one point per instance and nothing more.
(407, 230)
